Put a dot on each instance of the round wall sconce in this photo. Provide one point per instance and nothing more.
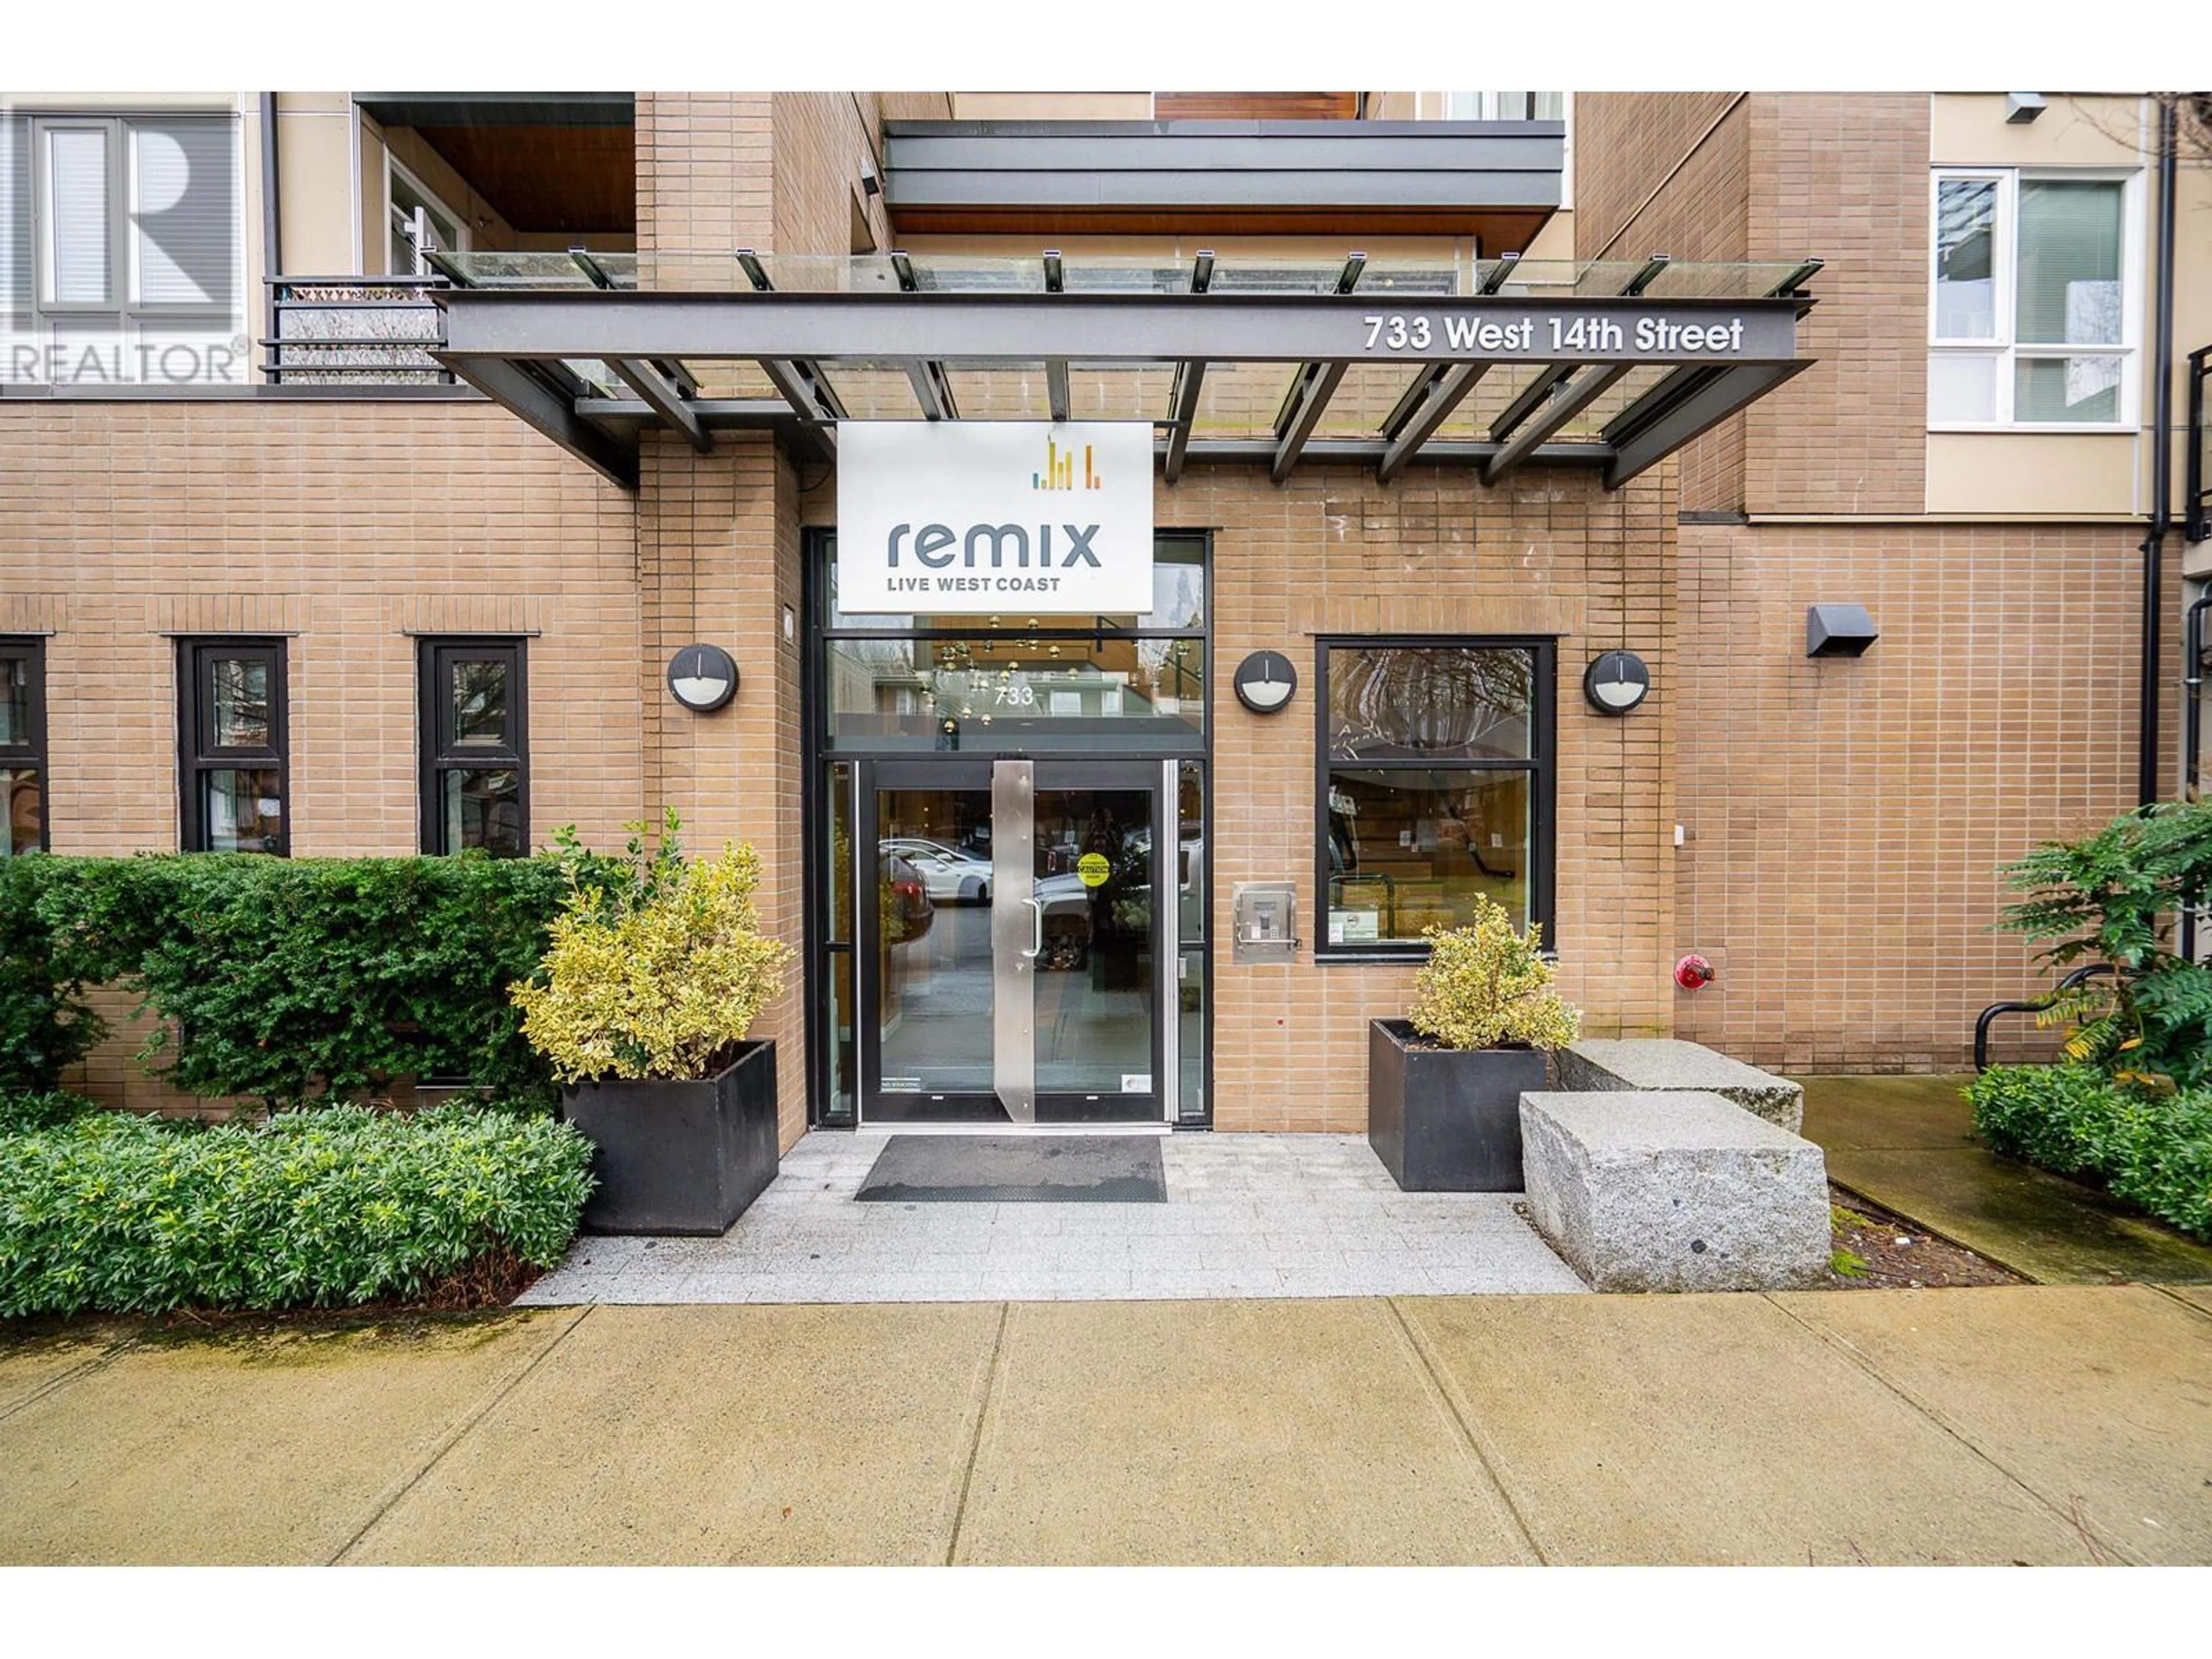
(1616, 682)
(1265, 681)
(703, 677)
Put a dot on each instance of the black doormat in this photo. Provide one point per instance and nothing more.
(1018, 1169)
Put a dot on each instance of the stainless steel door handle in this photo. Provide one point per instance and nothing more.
(1036, 948)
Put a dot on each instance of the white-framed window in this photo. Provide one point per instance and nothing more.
(122, 252)
(2034, 303)
(420, 223)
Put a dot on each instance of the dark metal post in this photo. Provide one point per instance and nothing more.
(2192, 731)
(2192, 495)
(272, 257)
(2148, 759)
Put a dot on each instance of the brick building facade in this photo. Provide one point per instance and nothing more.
(1825, 831)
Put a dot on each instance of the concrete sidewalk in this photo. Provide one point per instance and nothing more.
(2032, 1424)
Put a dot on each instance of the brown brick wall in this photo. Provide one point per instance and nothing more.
(1839, 176)
(1636, 154)
(1844, 177)
(1333, 552)
(820, 138)
(348, 527)
(1670, 173)
(718, 561)
(1846, 817)
(704, 185)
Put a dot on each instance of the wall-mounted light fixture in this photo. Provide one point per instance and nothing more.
(870, 184)
(1615, 681)
(703, 677)
(2021, 107)
(1838, 630)
(1265, 681)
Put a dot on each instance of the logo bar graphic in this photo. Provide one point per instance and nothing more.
(1060, 469)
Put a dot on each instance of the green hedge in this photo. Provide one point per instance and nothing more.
(2151, 1150)
(294, 980)
(45, 1026)
(127, 1214)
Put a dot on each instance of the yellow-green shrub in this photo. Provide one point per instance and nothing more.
(656, 969)
(1485, 987)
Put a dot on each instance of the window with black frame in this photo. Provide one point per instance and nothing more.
(23, 745)
(1434, 786)
(474, 747)
(233, 760)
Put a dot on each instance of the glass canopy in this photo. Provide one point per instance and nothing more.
(1377, 362)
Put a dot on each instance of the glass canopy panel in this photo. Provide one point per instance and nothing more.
(1241, 400)
(998, 392)
(720, 271)
(1115, 392)
(1364, 399)
(1134, 274)
(874, 391)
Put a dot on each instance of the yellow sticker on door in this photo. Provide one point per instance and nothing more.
(1093, 868)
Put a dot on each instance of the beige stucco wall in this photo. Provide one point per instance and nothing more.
(1969, 130)
(2064, 474)
(1051, 106)
(317, 195)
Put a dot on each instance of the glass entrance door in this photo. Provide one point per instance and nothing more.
(1010, 967)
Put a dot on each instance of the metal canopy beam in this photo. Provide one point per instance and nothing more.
(800, 379)
(1368, 452)
(1190, 377)
(1445, 389)
(932, 388)
(1318, 383)
(715, 414)
(933, 391)
(1586, 389)
(1086, 326)
(1713, 403)
(552, 413)
(802, 391)
(1311, 387)
(1056, 368)
(1547, 382)
(653, 388)
(1657, 400)
(1550, 380)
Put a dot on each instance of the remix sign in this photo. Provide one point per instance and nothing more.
(977, 517)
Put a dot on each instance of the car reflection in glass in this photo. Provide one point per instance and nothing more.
(907, 909)
(951, 876)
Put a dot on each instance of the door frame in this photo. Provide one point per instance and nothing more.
(825, 791)
(1060, 1111)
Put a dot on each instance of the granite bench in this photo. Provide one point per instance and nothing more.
(1667, 1064)
(1673, 1190)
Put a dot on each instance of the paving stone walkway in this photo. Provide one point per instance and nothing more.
(1247, 1215)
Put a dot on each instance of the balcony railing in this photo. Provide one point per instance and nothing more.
(353, 330)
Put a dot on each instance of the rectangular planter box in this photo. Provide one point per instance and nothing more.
(679, 1157)
(1447, 1120)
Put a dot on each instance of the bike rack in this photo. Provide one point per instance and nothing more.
(2079, 977)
